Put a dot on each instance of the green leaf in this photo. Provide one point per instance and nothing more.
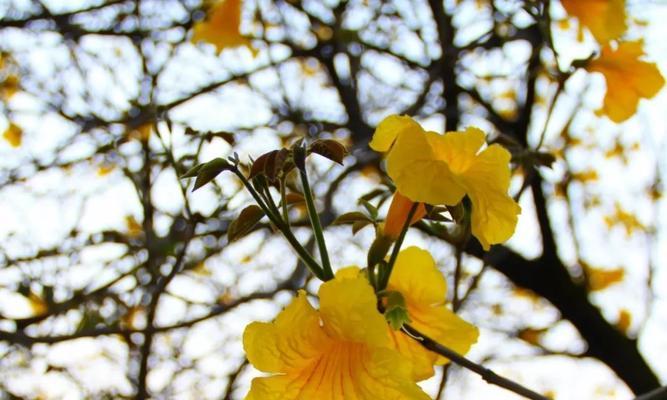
(378, 250)
(192, 172)
(372, 210)
(396, 317)
(209, 171)
(247, 220)
(350, 218)
(396, 313)
(359, 225)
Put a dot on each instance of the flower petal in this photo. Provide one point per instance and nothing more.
(458, 149)
(388, 130)
(349, 372)
(494, 212)
(221, 26)
(348, 307)
(293, 340)
(417, 278)
(604, 18)
(418, 174)
(628, 79)
(445, 327)
(424, 288)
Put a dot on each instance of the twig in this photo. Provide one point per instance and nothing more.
(486, 374)
(657, 394)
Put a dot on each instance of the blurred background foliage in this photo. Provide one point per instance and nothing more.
(116, 282)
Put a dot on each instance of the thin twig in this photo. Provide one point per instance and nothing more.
(486, 374)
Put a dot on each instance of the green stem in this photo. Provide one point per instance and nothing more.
(315, 223)
(384, 276)
(310, 262)
(283, 201)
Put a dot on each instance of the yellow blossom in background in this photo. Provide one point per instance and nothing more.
(134, 228)
(9, 86)
(424, 289)
(221, 27)
(105, 169)
(624, 320)
(341, 352)
(441, 169)
(601, 278)
(13, 135)
(604, 18)
(626, 219)
(628, 79)
(141, 132)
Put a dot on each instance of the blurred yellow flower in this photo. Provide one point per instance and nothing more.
(424, 289)
(13, 135)
(441, 169)
(628, 79)
(9, 87)
(341, 352)
(604, 18)
(221, 26)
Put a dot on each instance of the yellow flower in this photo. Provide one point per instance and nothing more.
(628, 79)
(221, 26)
(604, 18)
(9, 87)
(13, 135)
(342, 352)
(441, 169)
(424, 289)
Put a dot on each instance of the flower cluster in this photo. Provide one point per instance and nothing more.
(628, 77)
(346, 349)
(441, 169)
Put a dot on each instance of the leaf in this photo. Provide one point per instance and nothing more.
(192, 172)
(359, 225)
(372, 210)
(247, 220)
(259, 166)
(274, 165)
(209, 171)
(396, 312)
(434, 213)
(330, 149)
(351, 217)
(294, 198)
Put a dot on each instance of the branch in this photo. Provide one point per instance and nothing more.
(486, 374)
(657, 394)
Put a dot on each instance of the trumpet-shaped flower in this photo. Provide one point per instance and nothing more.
(604, 18)
(342, 351)
(221, 27)
(398, 214)
(424, 289)
(628, 79)
(441, 169)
